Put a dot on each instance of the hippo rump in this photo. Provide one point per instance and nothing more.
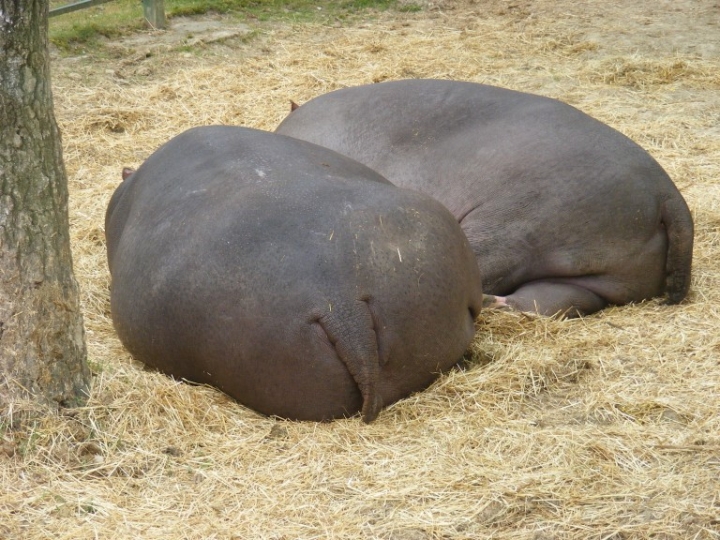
(294, 279)
(564, 213)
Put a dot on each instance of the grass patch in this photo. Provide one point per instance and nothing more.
(409, 8)
(83, 30)
(77, 31)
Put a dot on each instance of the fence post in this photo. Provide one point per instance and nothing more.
(155, 12)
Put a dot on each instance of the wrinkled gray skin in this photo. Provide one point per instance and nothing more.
(294, 279)
(564, 213)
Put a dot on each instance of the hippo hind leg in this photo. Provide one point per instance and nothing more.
(552, 298)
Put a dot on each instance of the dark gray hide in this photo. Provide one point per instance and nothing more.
(294, 279)
(564, 213)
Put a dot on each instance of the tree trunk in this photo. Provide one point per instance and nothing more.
(42, 345)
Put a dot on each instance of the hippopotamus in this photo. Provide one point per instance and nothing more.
(296, 280)
(565, 214)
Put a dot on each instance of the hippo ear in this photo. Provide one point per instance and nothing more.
(350, 330)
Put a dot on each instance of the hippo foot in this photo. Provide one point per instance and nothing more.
(494, 302)
(564, 300)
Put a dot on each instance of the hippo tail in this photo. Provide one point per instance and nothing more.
(678, 222)
(351, 330)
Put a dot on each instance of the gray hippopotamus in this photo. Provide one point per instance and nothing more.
(564, 213)
(293, 278)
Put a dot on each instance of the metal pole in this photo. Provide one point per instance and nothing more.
(74, 7)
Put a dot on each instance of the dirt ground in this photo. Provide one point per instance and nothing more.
(606, 427)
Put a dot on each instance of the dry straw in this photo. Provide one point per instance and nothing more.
(602, 428)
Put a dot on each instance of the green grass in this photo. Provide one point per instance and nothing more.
(81, 31)
(410, 8)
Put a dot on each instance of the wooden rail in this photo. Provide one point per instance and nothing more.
(154, 10)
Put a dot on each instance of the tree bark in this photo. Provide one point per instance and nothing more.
(42, 345)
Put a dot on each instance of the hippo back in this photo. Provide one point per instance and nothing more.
(542, 190)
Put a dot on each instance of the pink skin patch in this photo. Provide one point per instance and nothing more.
(494, 302)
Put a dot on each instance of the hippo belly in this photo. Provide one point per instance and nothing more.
(564, 213)
(294, 279)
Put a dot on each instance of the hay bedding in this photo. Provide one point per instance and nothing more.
(607, 427)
